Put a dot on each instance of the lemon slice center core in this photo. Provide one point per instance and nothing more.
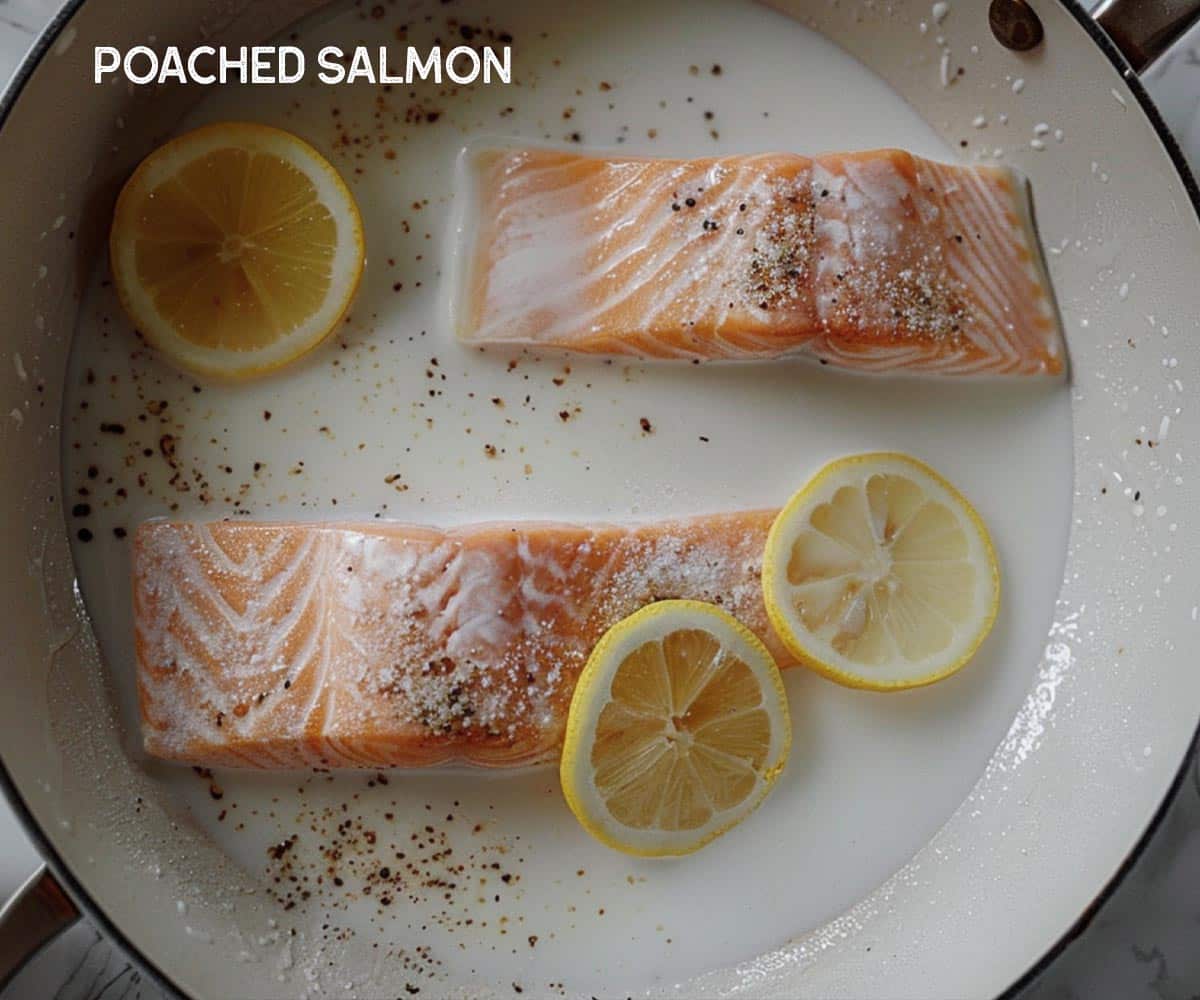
(878, 566)
(232, 247)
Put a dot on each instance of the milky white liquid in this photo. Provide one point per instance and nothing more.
(871, 776)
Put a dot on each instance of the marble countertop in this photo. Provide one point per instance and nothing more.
(1143, 943)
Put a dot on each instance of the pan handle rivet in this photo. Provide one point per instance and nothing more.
(1015, 25)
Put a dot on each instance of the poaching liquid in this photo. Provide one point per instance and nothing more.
(467, 879)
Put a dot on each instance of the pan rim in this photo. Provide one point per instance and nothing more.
(88, 906)
(95, 912)
(1175, 154)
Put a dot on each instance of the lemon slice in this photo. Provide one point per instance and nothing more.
(235, 249)
(879, 574)
(678, 729)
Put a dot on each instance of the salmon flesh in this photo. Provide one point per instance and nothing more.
(876, 262)
(295, 645)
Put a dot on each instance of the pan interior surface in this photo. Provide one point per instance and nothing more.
(394, 419)
(944, 837)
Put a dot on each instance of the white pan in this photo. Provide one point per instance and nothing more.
(943, 842)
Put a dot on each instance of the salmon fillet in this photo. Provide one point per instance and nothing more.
(878, 261)
(375, 645)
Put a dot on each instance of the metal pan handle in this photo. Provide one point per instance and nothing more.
(33, 916)
(1144, 29)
